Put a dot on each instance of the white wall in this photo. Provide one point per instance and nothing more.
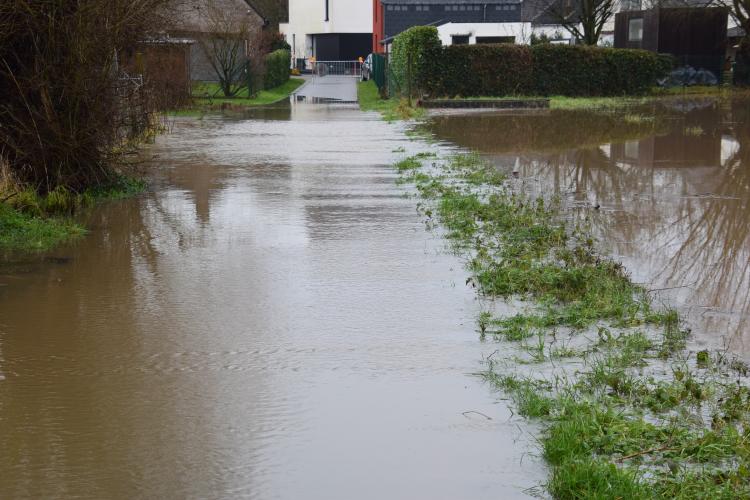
(520, 31)
(307, 17)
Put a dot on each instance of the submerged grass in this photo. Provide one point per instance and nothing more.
(207, 97)
(27, 233)
(391, 109)
(30, 222)
(631, 414)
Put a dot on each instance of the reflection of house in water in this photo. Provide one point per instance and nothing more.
(674, 150)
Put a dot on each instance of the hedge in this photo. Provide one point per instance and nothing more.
(277, 68)
(506, 69)
(414, 54)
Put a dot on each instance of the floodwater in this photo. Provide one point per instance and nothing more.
(665, 187)
(271, 321)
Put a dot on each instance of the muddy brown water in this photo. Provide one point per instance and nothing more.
(273, 321)
(270, 321)
(665, 188)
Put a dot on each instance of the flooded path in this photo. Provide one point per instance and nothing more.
(665, 187)
(271, 322)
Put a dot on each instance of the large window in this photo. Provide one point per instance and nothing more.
(635, 30)
(460, 39)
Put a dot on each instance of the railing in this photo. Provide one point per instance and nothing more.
(337, 68)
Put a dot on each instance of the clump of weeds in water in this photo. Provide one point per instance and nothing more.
(627, 411)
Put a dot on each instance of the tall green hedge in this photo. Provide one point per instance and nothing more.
(468, 70)
(505, 69)
(414, 55)
(277, 68)
(595, 71)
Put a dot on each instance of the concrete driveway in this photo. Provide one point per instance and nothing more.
(337, 88)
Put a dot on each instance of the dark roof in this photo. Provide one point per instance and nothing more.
(389, 39)
(450, 2)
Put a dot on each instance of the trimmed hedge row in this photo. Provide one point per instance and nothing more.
(505, 69)
(413, 55)
(277, 68)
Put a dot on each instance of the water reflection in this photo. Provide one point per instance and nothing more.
(272, 321)
(666, 188)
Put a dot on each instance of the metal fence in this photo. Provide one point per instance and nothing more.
(379, 72)
(337, 68)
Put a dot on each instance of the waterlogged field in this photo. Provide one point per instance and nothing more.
(638, 398)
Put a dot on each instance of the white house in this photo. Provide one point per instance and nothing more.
(518, 33)
(329, 30)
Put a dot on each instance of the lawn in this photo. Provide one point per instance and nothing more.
(395, 109)
(205, 93)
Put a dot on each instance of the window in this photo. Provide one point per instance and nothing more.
(630, 5)
(635, 30)
(496, 39)
(460, 39)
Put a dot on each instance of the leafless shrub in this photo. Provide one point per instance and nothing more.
(60, 81)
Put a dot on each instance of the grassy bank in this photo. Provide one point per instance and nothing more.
(391, 109)
(207, 96)
(394, 109)
(23, 232)
(33, 223)
(628, 411)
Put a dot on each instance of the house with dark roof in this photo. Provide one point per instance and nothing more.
(464, 21)
(201, 20)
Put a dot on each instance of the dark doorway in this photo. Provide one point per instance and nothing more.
(342, 46)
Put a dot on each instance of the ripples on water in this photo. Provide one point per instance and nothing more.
(272, 321)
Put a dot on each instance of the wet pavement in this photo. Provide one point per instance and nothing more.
(665, 187)
(331, 88)
(272, 321)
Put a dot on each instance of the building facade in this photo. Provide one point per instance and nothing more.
(204, 21)
(329, 30)
(466, 21)
(696, 37)
(395, 16)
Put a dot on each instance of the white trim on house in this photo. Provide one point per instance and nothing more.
(520, 32)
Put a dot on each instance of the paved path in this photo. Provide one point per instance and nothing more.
(340, 88)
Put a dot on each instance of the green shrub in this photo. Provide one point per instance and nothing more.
(502, 69)
(543, 69)
(277, 68)
(594, 71)
(417, 52)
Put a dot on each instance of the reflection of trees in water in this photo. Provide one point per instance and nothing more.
(670, 204)
(715, 249)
